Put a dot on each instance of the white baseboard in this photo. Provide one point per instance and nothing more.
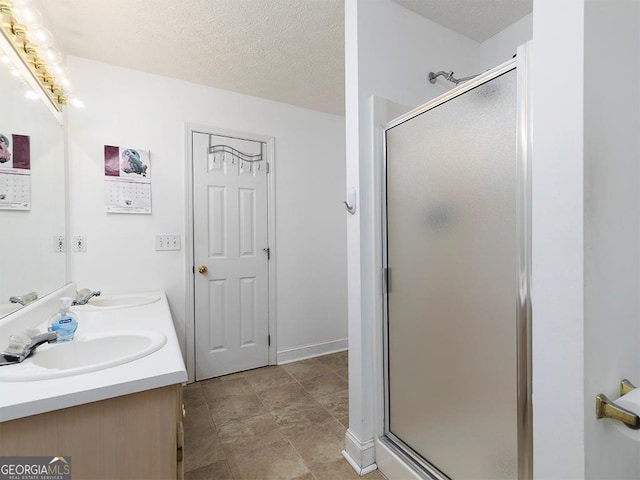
(360, 455)
(309, 351)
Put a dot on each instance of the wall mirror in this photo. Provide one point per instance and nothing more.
(32, 190)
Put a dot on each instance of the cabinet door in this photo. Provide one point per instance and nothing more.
(180, 414)
(132, 436)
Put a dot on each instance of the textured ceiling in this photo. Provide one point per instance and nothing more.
(475, 19)
(290, 51)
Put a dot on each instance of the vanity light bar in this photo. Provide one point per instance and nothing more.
(16, 35)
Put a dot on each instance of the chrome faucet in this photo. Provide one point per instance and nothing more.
(19, 349)
(24, 299)
(84, 295)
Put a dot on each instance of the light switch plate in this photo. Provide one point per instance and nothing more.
(79, 243)
(59, 244)
(168, 242)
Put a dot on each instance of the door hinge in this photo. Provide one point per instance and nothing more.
(268, 340)
(268, 252)
(268, 168)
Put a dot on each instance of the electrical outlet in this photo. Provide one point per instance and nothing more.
(80, 243)
(59, 245)
(167, 242)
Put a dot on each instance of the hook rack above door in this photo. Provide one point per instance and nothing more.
(223, 150)
(222, 153)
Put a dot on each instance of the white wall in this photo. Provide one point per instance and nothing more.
(502, 46)
(586, 232)
(127, 107)
(612, 225)
(557, 240)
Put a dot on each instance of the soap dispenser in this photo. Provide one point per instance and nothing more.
(64, 322)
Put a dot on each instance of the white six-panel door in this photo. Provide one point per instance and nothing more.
(230, 257)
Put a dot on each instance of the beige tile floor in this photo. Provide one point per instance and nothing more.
(281, 422)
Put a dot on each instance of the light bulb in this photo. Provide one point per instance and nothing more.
(27, 15)
(40, 36)
(63, 79)
(76, 102)
(52, 56)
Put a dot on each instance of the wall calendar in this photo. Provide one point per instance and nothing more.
(127, 180)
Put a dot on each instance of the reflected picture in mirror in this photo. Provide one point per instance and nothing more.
(5, 149)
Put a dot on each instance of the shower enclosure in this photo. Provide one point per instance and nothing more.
(456, 258)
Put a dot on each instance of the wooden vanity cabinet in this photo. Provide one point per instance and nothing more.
(136, 436)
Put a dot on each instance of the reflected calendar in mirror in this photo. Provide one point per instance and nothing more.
(15, 172)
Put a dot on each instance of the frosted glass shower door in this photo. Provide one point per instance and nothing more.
(451, 305)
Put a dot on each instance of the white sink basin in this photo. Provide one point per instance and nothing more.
(86, 353)
(111, 302)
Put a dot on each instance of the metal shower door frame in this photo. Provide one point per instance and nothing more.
(522, 280)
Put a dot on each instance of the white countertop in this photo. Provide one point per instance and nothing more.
(161, 368)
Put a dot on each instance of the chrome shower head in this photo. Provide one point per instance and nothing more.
(448, 76)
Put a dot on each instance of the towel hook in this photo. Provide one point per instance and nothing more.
(350, 209)
(350, 202)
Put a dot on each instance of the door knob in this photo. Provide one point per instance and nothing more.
(202, 269)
